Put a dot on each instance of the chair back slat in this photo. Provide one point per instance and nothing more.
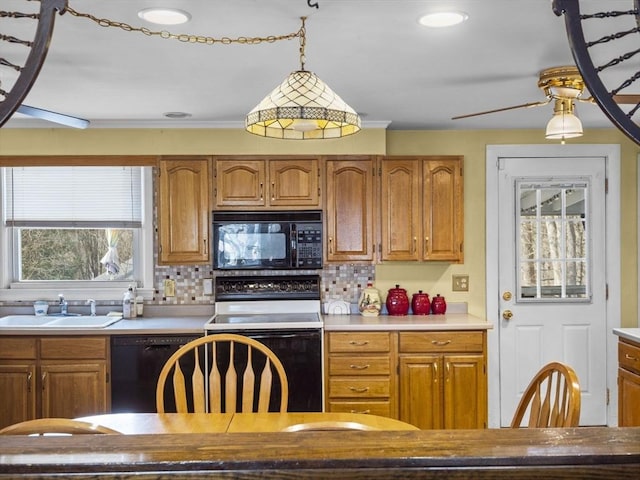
(266, 382)
(179, 389)
(215, 384)
(248, 381)
(197, 380)
(231, 382)
(552, 398)
(221, 374)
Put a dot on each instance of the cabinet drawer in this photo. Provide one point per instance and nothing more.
(629, 356)
(73, 347)
(359, 365)
(18, 348)
(418, 342)
(351, 342)
(359, 388)
(378, 407)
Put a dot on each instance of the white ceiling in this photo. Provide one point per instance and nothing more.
(373, 53)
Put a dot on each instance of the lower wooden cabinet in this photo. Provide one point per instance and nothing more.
(628, 383)
(53, 377)
(429, 379)
(360, 373)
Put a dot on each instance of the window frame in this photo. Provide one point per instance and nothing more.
(82, 290)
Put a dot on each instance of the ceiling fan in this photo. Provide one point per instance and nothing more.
(29, 71)
(563, 85)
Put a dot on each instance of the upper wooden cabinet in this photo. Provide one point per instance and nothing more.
(349, 209)
(422, 208)
(183, 210)
(242, 182)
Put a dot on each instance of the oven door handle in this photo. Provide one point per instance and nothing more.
(278, 334)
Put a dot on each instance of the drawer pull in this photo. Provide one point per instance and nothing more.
(359, 367)
(29, 382)
(440, 343)
(629, 357)
(359, 390)
(360, 411)
(359, 344)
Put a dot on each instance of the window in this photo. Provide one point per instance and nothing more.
(76, 227)
(553, 242)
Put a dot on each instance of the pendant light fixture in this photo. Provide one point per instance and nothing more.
(302, 107)
(564, 123)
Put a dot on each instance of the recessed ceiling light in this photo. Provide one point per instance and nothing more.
(164, 16)
(443, 19)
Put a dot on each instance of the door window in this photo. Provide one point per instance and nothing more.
(553, 241)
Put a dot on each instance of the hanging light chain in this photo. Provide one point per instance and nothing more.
(303, 43)
(188, 38)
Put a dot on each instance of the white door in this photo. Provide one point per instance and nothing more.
(552, 276)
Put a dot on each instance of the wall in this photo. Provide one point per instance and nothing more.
(432, 278)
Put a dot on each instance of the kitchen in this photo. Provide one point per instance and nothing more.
(434, 278)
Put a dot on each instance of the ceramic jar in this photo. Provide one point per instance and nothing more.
(420, 304)
(397, 301)
(438, 305)
(369, 303)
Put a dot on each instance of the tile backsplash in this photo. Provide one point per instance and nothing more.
(338, 282)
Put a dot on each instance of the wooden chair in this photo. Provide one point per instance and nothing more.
(219, 384)
(552, 398)
(43, 426)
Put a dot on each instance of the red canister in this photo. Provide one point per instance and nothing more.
(420, 304)
(438, 305)
(397, 301)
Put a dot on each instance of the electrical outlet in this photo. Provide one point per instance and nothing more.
(169, 288)
(208, 286)
(460, 283)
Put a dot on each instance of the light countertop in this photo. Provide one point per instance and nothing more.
(135, 326)
(449, 321)
(632, 334)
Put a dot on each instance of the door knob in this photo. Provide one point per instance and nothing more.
(507, 314)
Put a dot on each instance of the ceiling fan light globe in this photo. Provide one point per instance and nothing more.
(563, 125)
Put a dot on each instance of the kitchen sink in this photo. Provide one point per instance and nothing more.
(76, 321)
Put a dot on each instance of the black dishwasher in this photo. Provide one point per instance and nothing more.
(136, 361)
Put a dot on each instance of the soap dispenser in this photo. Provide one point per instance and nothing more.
(127, 303)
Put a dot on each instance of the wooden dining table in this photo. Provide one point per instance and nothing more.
(148, 423)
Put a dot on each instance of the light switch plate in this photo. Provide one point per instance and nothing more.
(169, 288)
(460, 283)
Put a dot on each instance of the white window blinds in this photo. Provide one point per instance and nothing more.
(73, 196)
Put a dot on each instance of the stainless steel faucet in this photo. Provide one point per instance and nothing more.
(92, 304)
(63, 304)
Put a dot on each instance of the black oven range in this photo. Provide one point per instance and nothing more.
(283, 312)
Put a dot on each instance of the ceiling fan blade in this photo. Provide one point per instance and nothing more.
(627, 99)
(524, 105)
(55, 117)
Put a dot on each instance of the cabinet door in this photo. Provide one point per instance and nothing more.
(443, 209)
(628, 399)
(183, 211)
(74, 389)
(349, 210)
(421, 391)
(240, 183)
(401, 209)
(465, 392)
(294, 183)
(17, 384)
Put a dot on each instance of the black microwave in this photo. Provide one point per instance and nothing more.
(267, 240)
